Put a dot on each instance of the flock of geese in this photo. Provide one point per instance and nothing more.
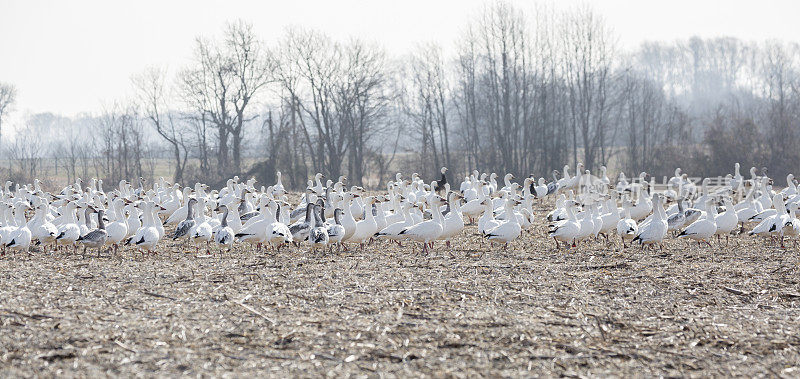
(331, 215)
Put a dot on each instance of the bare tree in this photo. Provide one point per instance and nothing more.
(426, 104)
(153, 102)
(587, 58)
(221, 85)
(8, 96)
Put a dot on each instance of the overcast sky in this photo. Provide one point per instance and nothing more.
(74, 56)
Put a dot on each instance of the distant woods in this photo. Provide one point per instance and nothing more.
(518, 92)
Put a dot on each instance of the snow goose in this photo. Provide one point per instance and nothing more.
(726, 221)
(117, 229)
(656, 230)
(133, 220)
(627, 228)
(677, 219)
(148, 235)
(539, 189)
(453, 222)
(737, 182)
(507, 183)
(553, 187)
(746, 209)
(392, 231)
(597, 220)
(487, 220)
(8, 223)
(280, 234)
(278, 189)
(366, 228)
(300, 230)
(769, 218)
(609, 219)
(474, 206)
(69, 231)
(348, 221)
(186, 227)
(559, 212)
(178, 215)
(204, 232)
(508, 230)
(42, 231)
(567, 229)
(702, 229)
(440, 184)
(790, 189)
(470, 192)
(643, 207)
(336, 230)
(96, 238)
(427, 232)
(791, 227)
(318, 236)
(20, 238)
(604, 177)
(258, 229)
(587, 225)
(768, 213)
(225, 234)
(493, 188)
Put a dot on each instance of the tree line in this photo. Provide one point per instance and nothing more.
(521, 92)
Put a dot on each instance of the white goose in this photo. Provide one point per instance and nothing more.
(702, 229)
(487, 221)
(508, 230)
(69, 231)
(117, 229)
(453, 222)
(20, 238)
(428, 231)
(769, 225)
(627, 228)
(392, 231)
(366, 228)
(656, 230)
(148, 235)
(566, 230)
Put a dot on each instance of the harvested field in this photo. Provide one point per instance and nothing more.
(471, 310)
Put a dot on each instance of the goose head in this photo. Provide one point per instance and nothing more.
(436, 201)
(443, 170)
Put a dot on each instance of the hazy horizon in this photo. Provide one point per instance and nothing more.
(70, 58)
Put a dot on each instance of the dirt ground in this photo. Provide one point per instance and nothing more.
(387, 311)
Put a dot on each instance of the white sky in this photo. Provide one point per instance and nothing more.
(74, 56)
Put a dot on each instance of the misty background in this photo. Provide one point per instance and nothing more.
(501, 87)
